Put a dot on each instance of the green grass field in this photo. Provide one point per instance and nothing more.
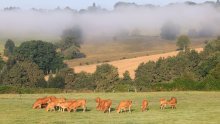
(192, 108)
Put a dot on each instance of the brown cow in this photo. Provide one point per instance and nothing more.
(103, 105)
(65, 105)
(172, 102)
(144, 106)
(54, 103)
(163, 103)
(76, 104)
(123, 105)
(41, 102)
(51, 106)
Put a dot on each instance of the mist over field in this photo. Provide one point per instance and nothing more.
(29, 24)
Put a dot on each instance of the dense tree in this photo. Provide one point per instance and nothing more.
(2, 63)
(9, 47)
(206, 65)
(125, 84)
(105, 77)
(212, 80)
(73, 52)
(84, 81)
(126, 76)
(71, 37)
(42, 53)
(145, 75)
(183, 42)
(169, 31)
(24, 74)
(56, 82)
(210, 48)
(69, 77)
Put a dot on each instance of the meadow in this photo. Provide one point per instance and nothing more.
(192, 107)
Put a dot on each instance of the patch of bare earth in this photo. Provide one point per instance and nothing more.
(127, 64)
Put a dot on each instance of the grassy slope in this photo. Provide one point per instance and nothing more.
(105, 51)
(193, 107)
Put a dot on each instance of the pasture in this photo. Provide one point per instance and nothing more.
(192, 107)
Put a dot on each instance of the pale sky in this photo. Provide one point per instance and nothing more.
(80, 4)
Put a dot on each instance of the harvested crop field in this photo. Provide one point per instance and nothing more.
(127, 64)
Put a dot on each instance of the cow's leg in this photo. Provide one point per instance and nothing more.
(68, 109)
(84, 108)
(119, 110)
(109, 109)
(129, 109)
(63, 109)
(53, 109)
(40, 106)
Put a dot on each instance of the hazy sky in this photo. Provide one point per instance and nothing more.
(80, 4)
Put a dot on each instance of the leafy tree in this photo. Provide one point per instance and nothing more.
(42, 53)
(183, 42)
(126, 76)
(84, 81)
(205, 66)
(69, 77)
(105, 77)
(56, 82)
(215, 73)
(72, 53)
(71, 37)
(210, 48)
(9, 47)
(145, 75)
(212, 80)
(125, 84)
(169, 31)
(24, 74)
(2, 63)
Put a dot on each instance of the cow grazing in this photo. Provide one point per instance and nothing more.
(163, 103)
(76, 104)
(64, 105)
(42, 102)
(103, 105)
(51, 106)
(172, 102)
(123, 105)
(53, 103)
(144, 106)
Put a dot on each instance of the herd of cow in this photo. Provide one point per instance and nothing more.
(51, 103)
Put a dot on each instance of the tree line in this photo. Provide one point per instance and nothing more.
(189, 70)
